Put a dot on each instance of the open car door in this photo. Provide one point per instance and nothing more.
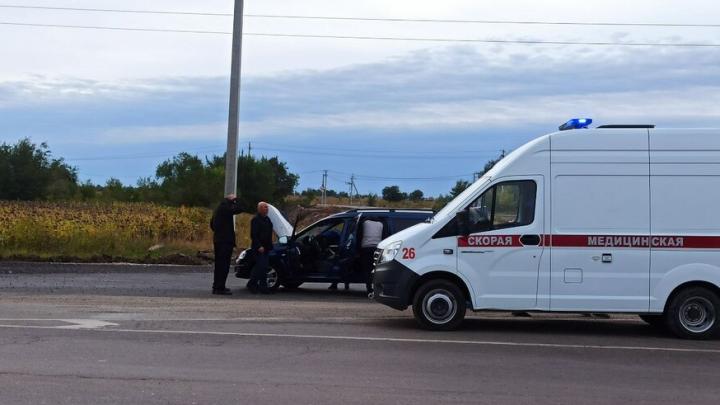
(348, 254)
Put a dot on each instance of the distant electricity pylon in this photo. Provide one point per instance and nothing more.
(353, 188)
(323, 188)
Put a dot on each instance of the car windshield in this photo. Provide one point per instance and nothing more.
(322, 227)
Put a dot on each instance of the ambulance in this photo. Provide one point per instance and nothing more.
(614, 219)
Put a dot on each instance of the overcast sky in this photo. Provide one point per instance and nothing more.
(418, 114)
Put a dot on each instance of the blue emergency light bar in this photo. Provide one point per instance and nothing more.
(576, 123)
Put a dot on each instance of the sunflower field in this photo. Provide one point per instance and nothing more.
(114, 231)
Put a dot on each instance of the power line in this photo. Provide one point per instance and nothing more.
(488, 41)
(364, 156)
(496, 22)
(338, 152)
(371, 177)
(376, 19)
(406, 39)
(113, 10)
(136, 157)
(378, 151)
(97, 27)
(370, 153)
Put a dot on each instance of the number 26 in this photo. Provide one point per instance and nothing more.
(408, 253)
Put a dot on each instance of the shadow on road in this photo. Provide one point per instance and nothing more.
(542, 325)
(318, 292)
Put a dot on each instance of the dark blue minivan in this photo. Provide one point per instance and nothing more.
(329, 249)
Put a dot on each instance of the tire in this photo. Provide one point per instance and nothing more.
(291, 285)
(439, 305)
(654, 320)
(273, 279)
(694, 313)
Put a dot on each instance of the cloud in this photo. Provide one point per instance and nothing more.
(459, 88)
(465, 88)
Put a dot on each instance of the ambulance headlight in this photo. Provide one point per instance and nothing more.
(390, 252)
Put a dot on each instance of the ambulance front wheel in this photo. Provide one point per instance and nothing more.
(694, 313)
(439, 305)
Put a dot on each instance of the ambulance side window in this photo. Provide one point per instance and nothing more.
(505, 205)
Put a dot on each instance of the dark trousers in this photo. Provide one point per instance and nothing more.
(366, 264)
(223, 255)
(258, 275)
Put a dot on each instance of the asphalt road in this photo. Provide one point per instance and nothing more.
(156, 336)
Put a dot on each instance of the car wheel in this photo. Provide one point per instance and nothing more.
(291, 285)
(273, 279)
(693, 313)
(439, 305)
(654, 320)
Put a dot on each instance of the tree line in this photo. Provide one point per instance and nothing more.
(29, 172)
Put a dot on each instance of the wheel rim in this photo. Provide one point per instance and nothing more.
(439, 306)
(272, 278)
(697, 314)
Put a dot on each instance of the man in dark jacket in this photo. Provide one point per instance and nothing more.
(223, 227)
(261, 229)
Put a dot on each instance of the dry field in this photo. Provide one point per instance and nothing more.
(139, 232)
(125, 232)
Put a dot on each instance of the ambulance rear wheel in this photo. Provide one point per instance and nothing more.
(439, 305)
(693, 314)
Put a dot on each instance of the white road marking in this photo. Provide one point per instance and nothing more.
(85, 324)
(74, 323)
(385, 339)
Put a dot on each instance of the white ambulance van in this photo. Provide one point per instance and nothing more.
(616, 219)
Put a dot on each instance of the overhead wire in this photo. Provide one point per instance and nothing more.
(273, 150)
(372, 177)
(137, 157)
(115, 10)
(376, 151)
(375, 19)
(381, 38)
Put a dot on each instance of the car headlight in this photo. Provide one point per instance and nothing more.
(242, 255)
(390, 252)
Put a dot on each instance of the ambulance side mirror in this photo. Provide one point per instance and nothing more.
(463, 225)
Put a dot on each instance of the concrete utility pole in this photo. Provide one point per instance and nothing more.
(231, 155)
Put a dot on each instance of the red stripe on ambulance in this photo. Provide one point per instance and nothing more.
(597, 241)
(635, 241)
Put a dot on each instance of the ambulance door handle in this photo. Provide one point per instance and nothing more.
(530, 240)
